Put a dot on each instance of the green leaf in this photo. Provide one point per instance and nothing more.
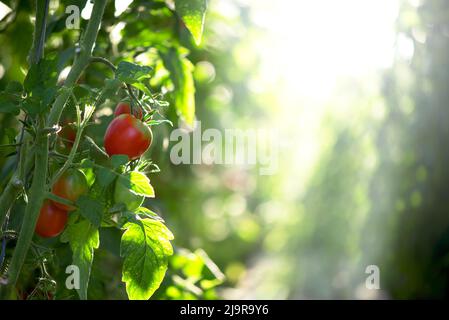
(141, 87)
(180, 69)
(192, 12)
(145, 247)
(148, 213)
(11, 98)
(40, 84)
(9, 103)
(14, 87)
(158, 122)
(138, 183)
(83, 238)
(91, 209)
(118, 160)
(105, 177)
(132, 73)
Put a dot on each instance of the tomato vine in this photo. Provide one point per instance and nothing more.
(73, 192)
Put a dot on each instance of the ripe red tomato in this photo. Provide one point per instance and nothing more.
(51, 220)
(71, 185)
(125, 108)
(127, 135)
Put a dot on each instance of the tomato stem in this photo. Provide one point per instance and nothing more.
(105, 61)
(55, 198)
(37, 49)
(87, 43)
(36, 198)
(39, 185)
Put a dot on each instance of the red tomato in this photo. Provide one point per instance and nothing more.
(127, 135)
(71, 185)
(125, 108)
(51, 220)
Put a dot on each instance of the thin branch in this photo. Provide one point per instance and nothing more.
(105, 61)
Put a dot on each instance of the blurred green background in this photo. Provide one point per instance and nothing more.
(358, 91)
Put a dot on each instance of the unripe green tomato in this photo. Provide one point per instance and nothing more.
(123, 195)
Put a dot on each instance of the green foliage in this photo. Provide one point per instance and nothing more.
(91, 209)
(83, 238)
(192, 12)
(154, 70)
(145, 247)
(138, 183)
(195, 273)
(181, 74)
(10, 98)
(132, 73)
(40, 85)
(118, 160)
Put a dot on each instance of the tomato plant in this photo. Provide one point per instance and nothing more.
(61, 164)
(51, 221)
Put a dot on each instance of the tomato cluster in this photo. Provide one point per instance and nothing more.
(53, 215)
(125, 135)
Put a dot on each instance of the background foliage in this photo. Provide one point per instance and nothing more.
(374, 193)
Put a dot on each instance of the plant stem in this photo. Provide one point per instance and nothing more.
(72, 153)
(87, 43)
(105, 61)
(12, 191)
(55, 198)
(38, 186)
(35, 200)
(37, 49)
(7, 198)
(15, 184)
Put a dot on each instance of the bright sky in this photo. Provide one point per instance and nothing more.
(313, 42)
